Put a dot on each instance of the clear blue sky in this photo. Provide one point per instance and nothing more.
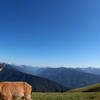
(50, 32)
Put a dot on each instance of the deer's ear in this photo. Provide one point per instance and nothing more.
(2, 67)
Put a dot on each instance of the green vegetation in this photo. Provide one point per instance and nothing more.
(92, 88)
(67, 96)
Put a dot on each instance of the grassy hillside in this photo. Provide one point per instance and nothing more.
(66, 96)
(87, 93)
(92, 88)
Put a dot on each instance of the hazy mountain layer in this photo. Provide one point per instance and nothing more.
(38, 84)
(70, 77)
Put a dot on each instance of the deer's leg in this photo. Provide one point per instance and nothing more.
(27, 97)
(6, 98)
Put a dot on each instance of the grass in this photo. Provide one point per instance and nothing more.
(67, 96)
(92, 88)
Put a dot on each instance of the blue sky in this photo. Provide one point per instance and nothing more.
(50, 32)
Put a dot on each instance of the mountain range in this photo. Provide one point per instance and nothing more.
(66, 77)
(70, 77)
(91, 70)
(9, 73)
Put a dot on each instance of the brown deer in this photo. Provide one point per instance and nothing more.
(17, 90)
